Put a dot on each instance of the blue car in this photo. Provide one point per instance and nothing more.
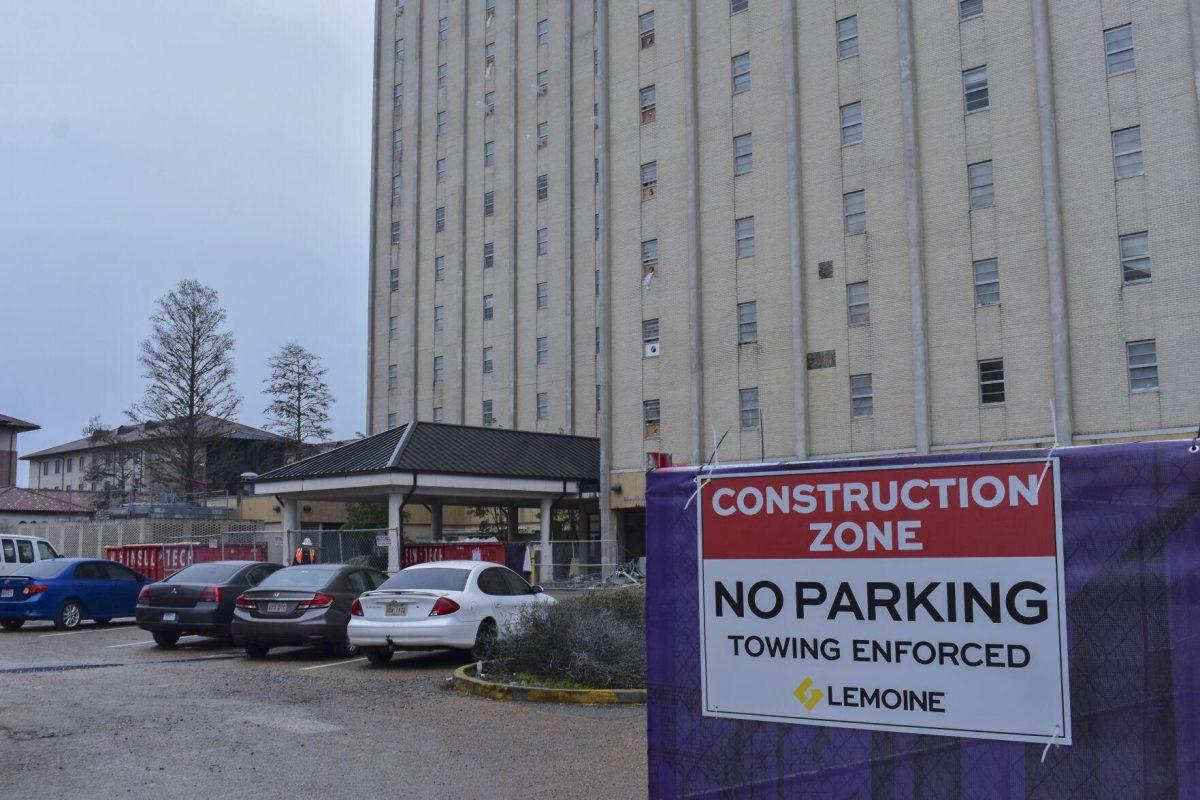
(67, 591)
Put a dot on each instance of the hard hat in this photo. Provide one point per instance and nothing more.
(306, 543)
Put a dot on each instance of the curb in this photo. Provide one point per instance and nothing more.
(466, 682)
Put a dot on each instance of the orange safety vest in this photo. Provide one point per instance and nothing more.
(305, 555)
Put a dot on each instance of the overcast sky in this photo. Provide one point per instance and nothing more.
(147, 141)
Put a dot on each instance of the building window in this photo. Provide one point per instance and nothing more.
(969, 8)
(489, 55)
(398, 94)
(991, 381)
(543, 187)
(489, 102)
(543, 34)
(439, 317)
(738, 6)
(543, 294)
(487, 360)
(543, 241)
(1118, 49)
(854, 212)
(649, 179)
(441, 123)
(847, 37)
(395, 233)
(45, 467)
(443, 29)
(858, 303)
(1127, 152)
(543, 350)
(744, 237)
(743, 154)
(1135, 257)
(740, 73)
(399, 49)
(975, 89)
(489, 255)
(439, 368)
(489, 307)
(648, 104)
(439, 268)
(391, 420)
(862, 396)
(394, 327)
(543, 406)
(393, 379)
(441, 76)
(981, 189)
(439, 219)
(543, 133)
(441, 170)
(489, 154)
(438, 414)
(747, 321)
(394, 280)
(397, 142)
(70, 466)
(748, 407)
(852, 128)
(649, 256)
(987, 282)
(543, 82)
(1143, 365)
(488, 418)
(489, 203)
(397, 186)
(650, 343)
(646, 29)
(651, 421)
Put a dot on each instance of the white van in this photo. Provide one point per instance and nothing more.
(17, 551)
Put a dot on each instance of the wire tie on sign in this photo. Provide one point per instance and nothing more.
(1049, 744)
(713, 463)
(1053, 447)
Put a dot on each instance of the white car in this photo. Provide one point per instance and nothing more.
(18, 550)
(461, 605)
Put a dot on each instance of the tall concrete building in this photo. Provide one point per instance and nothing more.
(828, 228)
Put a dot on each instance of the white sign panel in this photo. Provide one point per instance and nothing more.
(916, 599)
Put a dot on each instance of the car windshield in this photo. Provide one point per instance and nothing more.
(205, 573)
(441, 579)
(297, 578)
(41, 569)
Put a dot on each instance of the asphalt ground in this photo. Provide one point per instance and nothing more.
(102, 713)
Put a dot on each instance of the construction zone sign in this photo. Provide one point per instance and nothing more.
(916, 599)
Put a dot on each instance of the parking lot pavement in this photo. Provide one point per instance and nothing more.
(102, 712)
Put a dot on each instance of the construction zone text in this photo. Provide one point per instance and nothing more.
(921, 598)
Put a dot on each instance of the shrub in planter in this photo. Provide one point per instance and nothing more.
(596, 640)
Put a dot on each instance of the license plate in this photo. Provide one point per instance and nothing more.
(168, 616)
(395, 609)
(6, 592)
(276, 608)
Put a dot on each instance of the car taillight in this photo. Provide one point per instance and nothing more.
(243, 602)
(210, 594)
(356, 609)
(144, 596)
(34, 588)
(444, 605)
(318, 601)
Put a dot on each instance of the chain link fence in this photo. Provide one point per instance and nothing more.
(584, 564)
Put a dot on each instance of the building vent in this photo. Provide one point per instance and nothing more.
(825, 269)
(653, 349)
(822, 359)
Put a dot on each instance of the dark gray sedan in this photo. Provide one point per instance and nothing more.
(197, 600)
(302, 605)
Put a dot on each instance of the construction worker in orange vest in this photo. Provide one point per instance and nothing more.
(305, 553)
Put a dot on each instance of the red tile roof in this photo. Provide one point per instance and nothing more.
(15, 498)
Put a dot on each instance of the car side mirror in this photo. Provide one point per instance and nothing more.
(535, 589)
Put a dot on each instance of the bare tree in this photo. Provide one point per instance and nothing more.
(188, 360)
(299, 397)
(112, 462)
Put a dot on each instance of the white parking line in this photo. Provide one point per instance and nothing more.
(80, 630)
(147, 641)
(334, 664)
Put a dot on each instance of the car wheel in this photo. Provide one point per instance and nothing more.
(70, 614)
(257, 650)
(378, 655)
(340, 650)
(103, 620)
(165, 638)
(11, 624)
(485, 640)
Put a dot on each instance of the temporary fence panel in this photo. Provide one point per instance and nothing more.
(1084, 575)
(453, 551)
(580, 563)
(159, 561)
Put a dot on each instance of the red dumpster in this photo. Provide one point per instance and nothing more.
(157, 561)
(453, 551)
